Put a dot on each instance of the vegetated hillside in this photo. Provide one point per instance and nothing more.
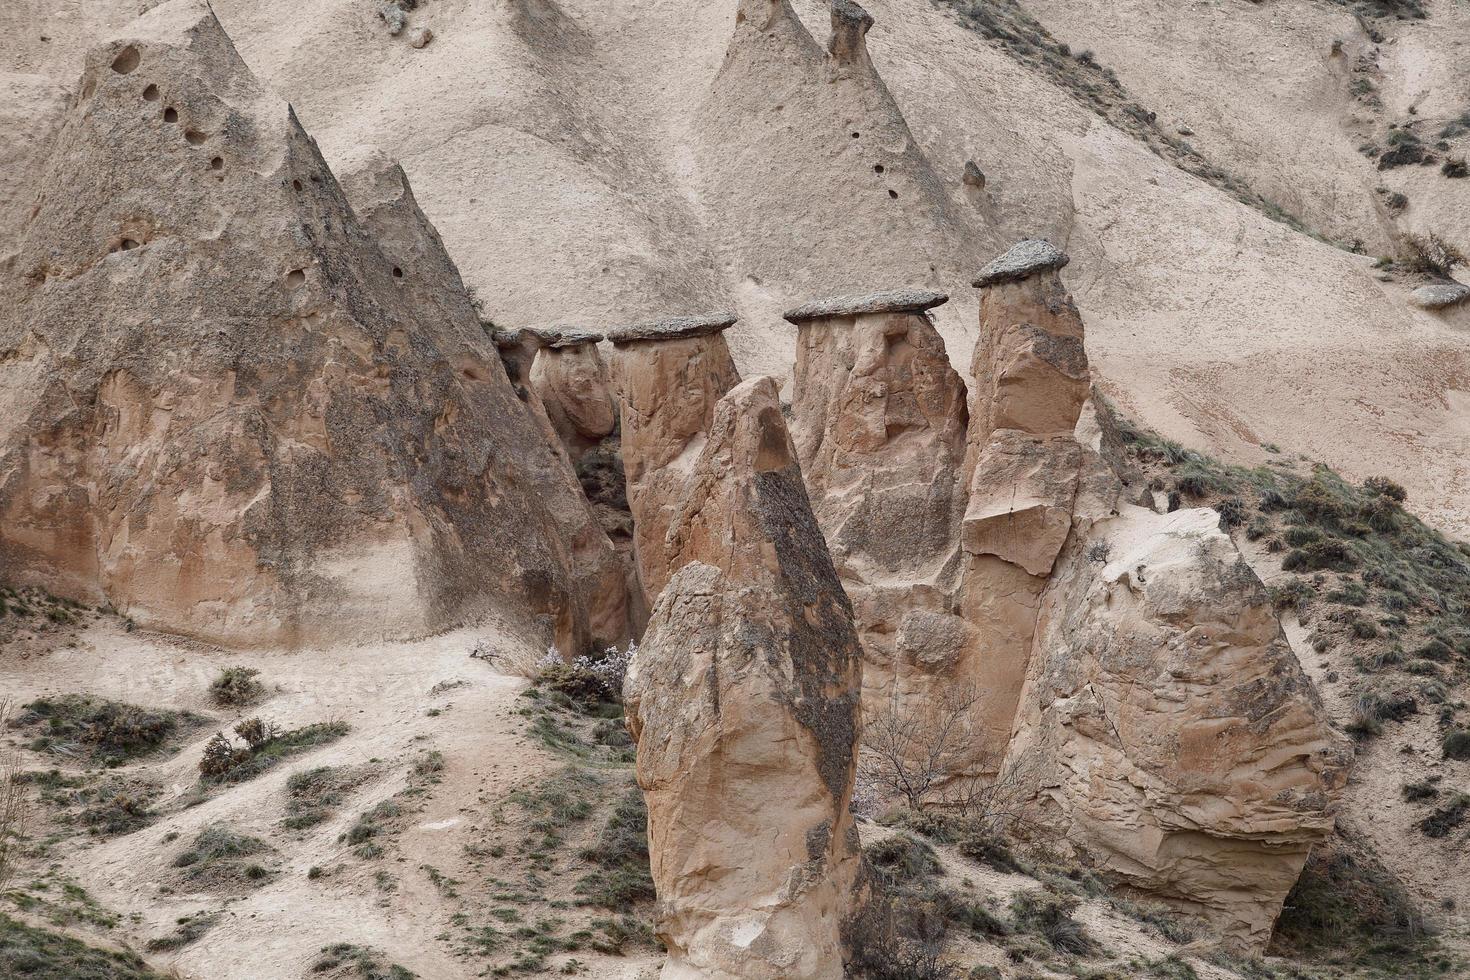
(605, 163)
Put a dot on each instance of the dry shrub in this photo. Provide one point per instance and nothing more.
(1431, 255)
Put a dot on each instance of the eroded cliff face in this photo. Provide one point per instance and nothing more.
(1166, 729)
(235, 409)
(743, 700)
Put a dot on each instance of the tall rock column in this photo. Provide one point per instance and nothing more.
(669, 374)
(1022, 467)
(744, 702)
(878, 419)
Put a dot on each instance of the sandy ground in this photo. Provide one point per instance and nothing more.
(383, 692)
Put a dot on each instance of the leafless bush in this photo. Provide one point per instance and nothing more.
(13, 804)
(1431, 255)
(918, 750)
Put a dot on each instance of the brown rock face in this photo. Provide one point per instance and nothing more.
(234, 410)
(1022, 466)
(1166, 728)
(571, 380)
(669, 376)
(744, 702)
(879, 423)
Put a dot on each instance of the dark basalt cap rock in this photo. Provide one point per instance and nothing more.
(848, 12)
(674, 328)
(559, 337)
(887, 301)
(509, 338)
(1024, 259)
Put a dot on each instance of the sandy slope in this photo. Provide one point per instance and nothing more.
(384, 693)
(593, 162)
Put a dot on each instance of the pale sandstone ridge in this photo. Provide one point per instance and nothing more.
(669, 375)
(234, 409)
(744, 702)
(878, 419)
(1167, 730)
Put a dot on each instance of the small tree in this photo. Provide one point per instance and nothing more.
(917, 749)
(13, 805)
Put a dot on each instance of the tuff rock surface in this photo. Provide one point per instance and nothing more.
(669, 377)
(1022, 466)
(743, 700)
(571, 379)
(878, 419)
(1166, 729)
(234, 409)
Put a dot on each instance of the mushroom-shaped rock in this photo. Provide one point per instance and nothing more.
(518, 347)
(1166, 728)
(850, 26)
(743, 700)
(571, 380)
(878, 418)
(250, 412)
(1021, 261)
(1023, 464)
(669, 375)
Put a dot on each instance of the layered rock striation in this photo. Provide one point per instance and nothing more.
(743, 700)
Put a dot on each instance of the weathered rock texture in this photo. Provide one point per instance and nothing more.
(571, 380)
(231, 411)
(1166, 728)
(669, 376)
(878, 419)
(1023, 464)
(744, 703)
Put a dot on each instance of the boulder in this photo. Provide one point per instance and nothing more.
(669, 376)
(1438, 296)
(743, 700)
(232, 411)
(1166, 729)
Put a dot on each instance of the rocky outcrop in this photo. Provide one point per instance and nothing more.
(236, 409)
(1440, 295)
(571, 380)
(669, 376)
(1167, 730)
(878, 419)
(744, 695)
(1023, 465)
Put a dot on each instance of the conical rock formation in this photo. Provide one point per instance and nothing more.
(230, 411)
(744, 703)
